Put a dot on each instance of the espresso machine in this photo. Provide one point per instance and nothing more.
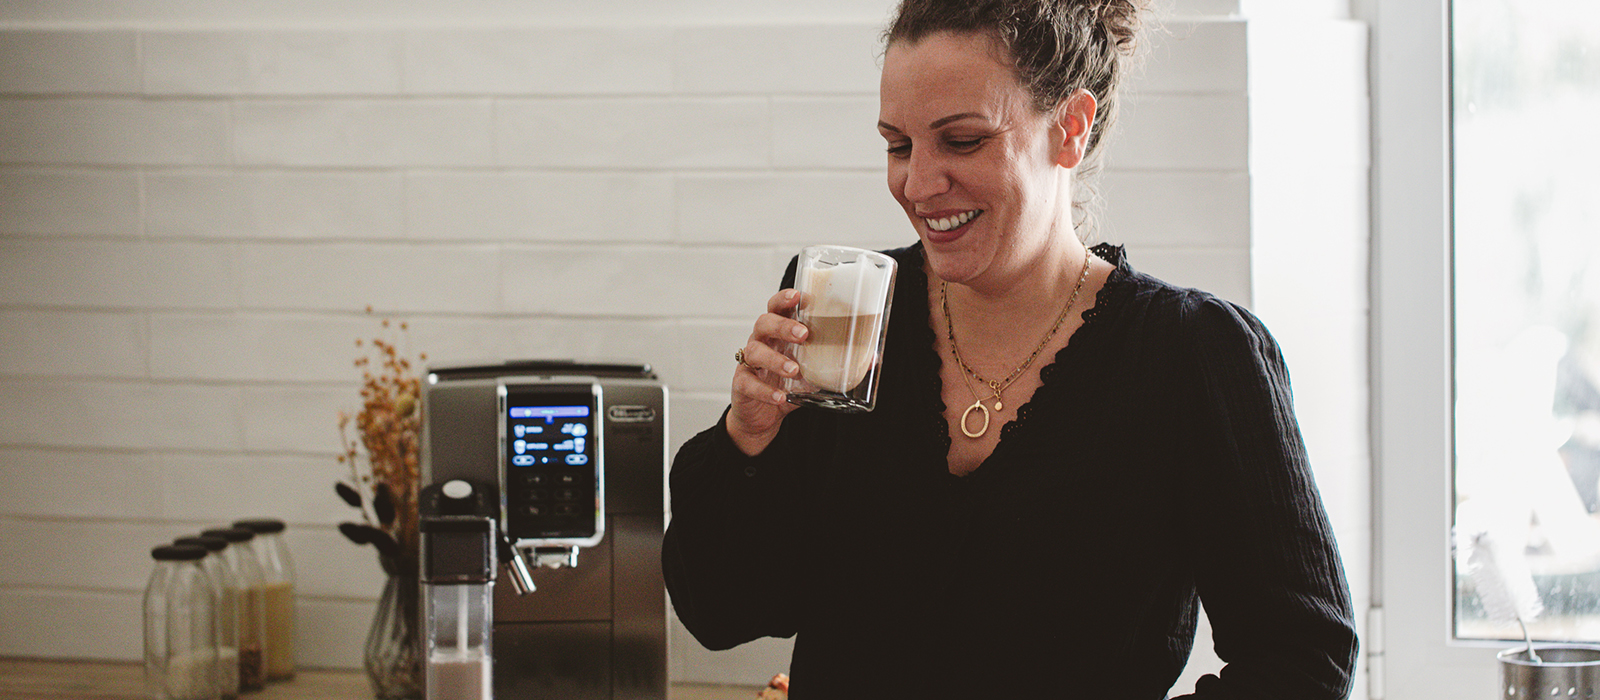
(549, 474)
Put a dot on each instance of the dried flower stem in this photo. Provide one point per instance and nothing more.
(388, 427)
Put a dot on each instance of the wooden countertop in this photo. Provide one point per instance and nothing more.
(31, 679)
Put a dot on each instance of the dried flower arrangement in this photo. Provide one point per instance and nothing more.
(388, 427)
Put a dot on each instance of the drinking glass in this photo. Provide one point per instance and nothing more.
(845, 295)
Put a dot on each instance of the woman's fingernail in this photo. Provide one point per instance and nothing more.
(791, 295)
(798, 331)
(790, 367)
(777, 397)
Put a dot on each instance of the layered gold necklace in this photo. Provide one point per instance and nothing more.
(997, 387)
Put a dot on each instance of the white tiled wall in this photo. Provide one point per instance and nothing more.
(197, 202)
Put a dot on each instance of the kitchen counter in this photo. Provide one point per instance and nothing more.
(29, 679)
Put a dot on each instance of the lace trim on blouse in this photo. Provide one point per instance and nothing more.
(1117, 289)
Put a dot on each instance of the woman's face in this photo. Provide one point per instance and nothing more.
(975, 167)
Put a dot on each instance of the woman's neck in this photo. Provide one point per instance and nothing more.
(1037, 285)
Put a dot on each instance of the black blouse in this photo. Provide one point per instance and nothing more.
(1159, 465)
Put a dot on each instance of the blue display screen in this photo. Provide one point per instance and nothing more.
(551, 452)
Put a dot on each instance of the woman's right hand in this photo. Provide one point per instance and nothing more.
(758, 405)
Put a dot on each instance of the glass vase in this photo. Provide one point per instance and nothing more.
(394, 644)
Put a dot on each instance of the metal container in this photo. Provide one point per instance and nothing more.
(1563, 671)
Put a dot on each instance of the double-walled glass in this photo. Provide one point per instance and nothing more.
(845, 296)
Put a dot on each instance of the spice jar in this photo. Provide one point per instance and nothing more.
(272, 552)
(251, 604)
(180, 644)
(224, 591)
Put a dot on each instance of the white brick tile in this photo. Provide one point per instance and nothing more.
(38, 272)
(224, 488)
(68, 61)
(1194, 57)
(113, 131)
(791, 209)
(1149, 209)
(827, 132)
(63, 413)
(637, 340)
(1224, 272)
(363, 133)
(69, 203)
(297, 349)
(542, 60)
(194, 417)
(272, 62)
(85, 344)
(251, 347)
(121, 552)
(347, 277)
(71, 624)
(693, 412)
(328, 565)
(1203, 8)
(119, 415)
(633, 133)
(633, 281)
(446, 340)
(707, 350)
(778, 58)
(1180, 132)
(292, 418)
(539, 206)
(235, 204)
(189, 275)
(78, 484)
(115, 274)
(338, 637)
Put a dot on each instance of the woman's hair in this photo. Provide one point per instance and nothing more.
(1055, 46)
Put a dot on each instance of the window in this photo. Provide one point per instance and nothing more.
(1411, 644)
(1526, 94)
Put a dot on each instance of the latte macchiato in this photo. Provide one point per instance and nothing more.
(840, 351)
(844, 300)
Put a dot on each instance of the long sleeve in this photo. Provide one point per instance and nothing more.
(1269, 573)
(730, 550)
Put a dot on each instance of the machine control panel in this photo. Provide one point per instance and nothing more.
(552, 461)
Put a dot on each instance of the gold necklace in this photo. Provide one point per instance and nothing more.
(997, 387)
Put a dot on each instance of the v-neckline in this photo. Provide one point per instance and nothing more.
(1047, 372)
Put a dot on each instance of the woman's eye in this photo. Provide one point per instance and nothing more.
(964, 144)
(899, 150)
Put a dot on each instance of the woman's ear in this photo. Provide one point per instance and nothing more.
(1075, 117)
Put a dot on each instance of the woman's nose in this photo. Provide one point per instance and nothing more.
(925, 176)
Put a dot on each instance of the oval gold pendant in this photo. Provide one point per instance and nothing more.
(976, 405)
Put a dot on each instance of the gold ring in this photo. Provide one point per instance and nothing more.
(738, 356)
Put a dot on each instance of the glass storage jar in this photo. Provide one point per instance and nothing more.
(180, 644)
(272, 553)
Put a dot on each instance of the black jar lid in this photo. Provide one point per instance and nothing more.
(178, 552)
(260, 526)
(231, 534)
(212, 544)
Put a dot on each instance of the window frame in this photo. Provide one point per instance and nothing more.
(1411, 647)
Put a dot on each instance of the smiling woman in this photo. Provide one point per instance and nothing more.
(1067, 457)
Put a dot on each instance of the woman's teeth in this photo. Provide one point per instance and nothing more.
(951, 222)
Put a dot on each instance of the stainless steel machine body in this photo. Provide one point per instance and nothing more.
(596, 627)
